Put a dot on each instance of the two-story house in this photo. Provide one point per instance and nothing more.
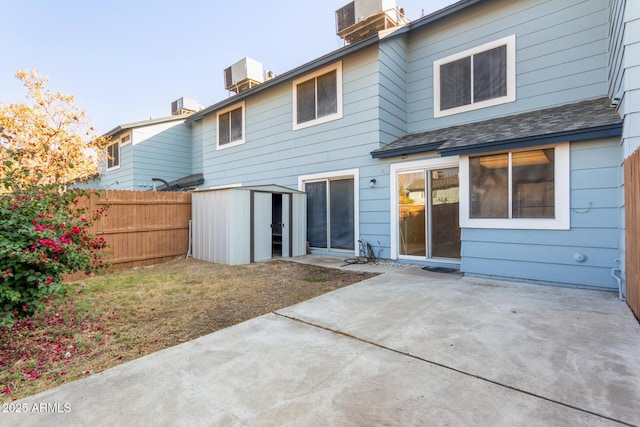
(488, 136)
(152, 154)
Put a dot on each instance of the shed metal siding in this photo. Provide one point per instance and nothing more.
(548, 256)
(222, 223)
(210, 226)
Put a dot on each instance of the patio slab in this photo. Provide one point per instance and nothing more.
(404, 348)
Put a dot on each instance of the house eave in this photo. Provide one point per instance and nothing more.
(287, 76)
(127, 126)
(406, 150)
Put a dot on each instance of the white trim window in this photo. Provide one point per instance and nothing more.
(113, 156)
(523, 189)
(317, 97)
(476, 78)
(332, 210)
(125, 139)
(231, 126)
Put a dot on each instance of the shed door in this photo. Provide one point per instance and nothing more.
(286, 225)
(262, 209)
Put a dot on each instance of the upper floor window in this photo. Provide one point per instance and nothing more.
(231, 126)
(125, 139)
(476, 78)
(113, 156)
(317, 97)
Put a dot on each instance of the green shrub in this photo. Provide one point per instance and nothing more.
(44, 233)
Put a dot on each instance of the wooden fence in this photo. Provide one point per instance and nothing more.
(632, 226)
(142, 227)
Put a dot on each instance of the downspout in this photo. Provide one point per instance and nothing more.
(618, 279)
(166, 184)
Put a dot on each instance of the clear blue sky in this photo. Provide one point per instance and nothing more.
(127, 60)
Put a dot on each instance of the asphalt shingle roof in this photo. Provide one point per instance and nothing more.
(578, 121)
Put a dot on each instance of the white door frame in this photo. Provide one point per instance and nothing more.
(394, 169)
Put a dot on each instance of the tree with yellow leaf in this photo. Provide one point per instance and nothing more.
(48, 136)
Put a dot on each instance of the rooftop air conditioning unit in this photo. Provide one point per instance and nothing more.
(345, 17)
(243, 75)
(367, 8)
(362, 18)
(183, 106)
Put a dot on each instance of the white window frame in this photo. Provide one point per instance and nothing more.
(244, 135)
(414, 166)
(510, 42)
(347, 173)
(337, 67)
(125, 139)
(562, 193)
(117, 143)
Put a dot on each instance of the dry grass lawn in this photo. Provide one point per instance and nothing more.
(107, 320)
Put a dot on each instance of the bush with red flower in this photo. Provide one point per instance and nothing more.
(44, 233)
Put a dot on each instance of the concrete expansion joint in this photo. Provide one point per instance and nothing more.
(440, 365)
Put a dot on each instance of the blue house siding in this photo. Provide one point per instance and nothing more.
(616, 47)
(196, 147)
(122, 177)
(561, 55)
(393, 89)
(549, 256)
(276, 154)
(161, 151)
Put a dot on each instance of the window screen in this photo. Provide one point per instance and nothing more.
(317, 214)
(474, 78)
(490, 74)
(317, 97)
(113, 155)
(341, 211)
(230, 126)
(331, 214)
(532, 185)
(306, 100)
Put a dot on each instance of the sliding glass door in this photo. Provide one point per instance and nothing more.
(428, 212)
(330, 213)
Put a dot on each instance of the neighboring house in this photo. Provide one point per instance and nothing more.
(152, 154)
(487, 136)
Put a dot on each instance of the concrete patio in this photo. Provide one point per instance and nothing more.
(407, 347)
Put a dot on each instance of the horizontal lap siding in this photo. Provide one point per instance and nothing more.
(161, 151)
(121, 178)
(393, 89)
(276, 154)
(196, 147)
(561, 55)
(616, 46)
(548, 255)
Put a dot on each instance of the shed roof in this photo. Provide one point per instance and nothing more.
(571, 122)
(267, 188)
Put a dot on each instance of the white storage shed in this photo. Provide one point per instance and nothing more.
(239, 225)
